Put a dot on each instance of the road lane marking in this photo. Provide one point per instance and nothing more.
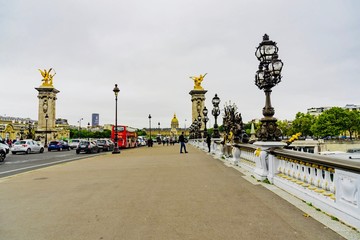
(40, 165)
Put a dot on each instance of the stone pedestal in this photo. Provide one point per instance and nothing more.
(197, 98)
(265, 168)
(47, 105)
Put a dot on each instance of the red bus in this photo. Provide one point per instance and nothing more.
(127, 136)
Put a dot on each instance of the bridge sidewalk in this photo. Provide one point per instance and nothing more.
(148, 193)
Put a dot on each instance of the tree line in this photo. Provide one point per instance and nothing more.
(333, 123)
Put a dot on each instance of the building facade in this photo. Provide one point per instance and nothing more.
(95, 120)
(317, 111)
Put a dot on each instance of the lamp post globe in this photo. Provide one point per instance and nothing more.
(116, 150)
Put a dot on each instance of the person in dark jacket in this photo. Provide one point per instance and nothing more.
(208, 141)
(182, 143)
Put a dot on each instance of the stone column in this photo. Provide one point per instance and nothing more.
(47, 105)
(197, 97)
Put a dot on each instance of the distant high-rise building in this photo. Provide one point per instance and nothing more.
(95, 119)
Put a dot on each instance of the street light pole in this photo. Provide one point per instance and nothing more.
(80, 126)
(46, 124)
(116, 150)
(159, 127)
(88, 131)
(206, 119)
(267, 76)
(216, 112)
(150, 139)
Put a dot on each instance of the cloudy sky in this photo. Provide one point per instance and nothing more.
(150, 48)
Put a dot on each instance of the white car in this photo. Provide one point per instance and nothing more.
(27, 146)
(74, 143)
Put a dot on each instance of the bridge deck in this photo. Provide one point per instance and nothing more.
(148, 193)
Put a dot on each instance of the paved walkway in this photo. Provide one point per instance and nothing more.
(148, 193)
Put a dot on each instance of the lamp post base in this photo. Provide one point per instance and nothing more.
(269, 130)
(116, 150)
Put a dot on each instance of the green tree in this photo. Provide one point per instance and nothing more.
(352, 122)
(285, 127)
(141, 132)
(302, 123)
(332, 123)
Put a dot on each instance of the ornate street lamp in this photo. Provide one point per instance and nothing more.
(21, 133)
(150, 139)
(159, 126)
(88, 127)
(216, 112)
(46, 124)
(196, 128)
(199, 120)
(116, 150)
(80, 126)
(191, 131)
(206, 119)
(30, 135)
(267, 76)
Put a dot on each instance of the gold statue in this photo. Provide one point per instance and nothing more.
(47, 77)
(197, 81)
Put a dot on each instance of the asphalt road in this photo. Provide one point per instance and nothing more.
(19, 163)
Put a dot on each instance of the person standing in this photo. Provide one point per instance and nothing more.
(208, 141)
(182, 143)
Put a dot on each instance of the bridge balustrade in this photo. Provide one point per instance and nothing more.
(330, 184)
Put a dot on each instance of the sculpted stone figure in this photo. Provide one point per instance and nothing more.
(47, 77)
(197, 81)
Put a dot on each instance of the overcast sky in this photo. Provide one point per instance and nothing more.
(150, 48)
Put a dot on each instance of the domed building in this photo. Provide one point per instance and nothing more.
(174, 126)
(174, 131)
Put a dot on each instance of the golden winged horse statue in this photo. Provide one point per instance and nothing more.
(47, 77)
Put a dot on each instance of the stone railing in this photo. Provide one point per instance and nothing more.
(330, 184)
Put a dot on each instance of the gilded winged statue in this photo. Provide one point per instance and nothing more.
(197, 81)
(47, 77)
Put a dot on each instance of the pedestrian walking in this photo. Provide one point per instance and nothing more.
(182, 143)
(208, 141)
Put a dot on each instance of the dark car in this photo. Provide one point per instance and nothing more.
(105, 144)
(2, 154)
(58, 145)
(87, 147)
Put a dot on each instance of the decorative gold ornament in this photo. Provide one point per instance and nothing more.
(47, 77)
(197, 81)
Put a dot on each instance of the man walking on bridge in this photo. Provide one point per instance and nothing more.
(182, 143)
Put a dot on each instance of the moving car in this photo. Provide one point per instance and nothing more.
(105, 144)
(87, 147)
(58, 145)
(26, 146)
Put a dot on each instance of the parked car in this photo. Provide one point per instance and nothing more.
(5, 146)
(87, 147)
(74, 143)
(2, 154)
(27, 146)
(141, 141)
(105, 144)
(58, 145)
